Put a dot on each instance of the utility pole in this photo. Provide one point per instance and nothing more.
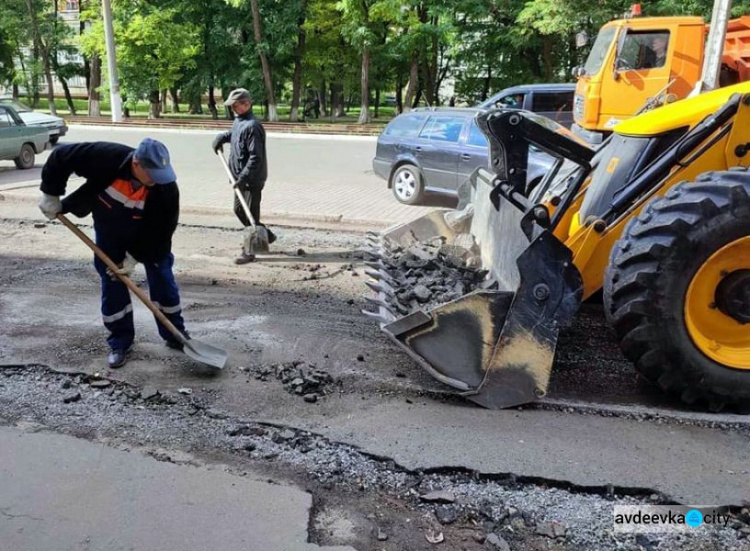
(114, 83)
(714, 47)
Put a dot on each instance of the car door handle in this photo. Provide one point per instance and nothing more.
(418, 148)
(465, 156)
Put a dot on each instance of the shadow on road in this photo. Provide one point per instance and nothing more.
(439, 201)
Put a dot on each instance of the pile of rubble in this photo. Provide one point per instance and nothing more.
(298, 378)
(429, 273)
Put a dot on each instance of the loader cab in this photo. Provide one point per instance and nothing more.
(633, 60)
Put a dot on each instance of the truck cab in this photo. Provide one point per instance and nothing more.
(630, 61)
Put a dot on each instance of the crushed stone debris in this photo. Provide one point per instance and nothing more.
(299, 378)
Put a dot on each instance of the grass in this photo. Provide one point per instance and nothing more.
(141, 111)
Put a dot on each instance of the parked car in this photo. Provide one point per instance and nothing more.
(18, 141)
(554, 101)
(434, 151)
(54, 125)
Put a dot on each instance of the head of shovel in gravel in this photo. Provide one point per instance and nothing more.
(205, 353)
(255, 239)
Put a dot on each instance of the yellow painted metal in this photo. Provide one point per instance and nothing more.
(718, 336)
(683, 113)
(591, 250)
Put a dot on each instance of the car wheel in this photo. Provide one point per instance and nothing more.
(26, 158)
(407, 185)
(54, 139)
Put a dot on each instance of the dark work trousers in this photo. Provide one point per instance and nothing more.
(252, 198)
(117, 310)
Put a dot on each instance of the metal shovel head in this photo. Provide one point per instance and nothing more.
(256, 240)
(205, 353)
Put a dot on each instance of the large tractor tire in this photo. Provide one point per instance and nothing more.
(677, 290)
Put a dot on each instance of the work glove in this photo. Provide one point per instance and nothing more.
(126, 267)
(50, 205)
(218, 143)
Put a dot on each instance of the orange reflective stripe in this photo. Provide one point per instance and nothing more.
(122, 191)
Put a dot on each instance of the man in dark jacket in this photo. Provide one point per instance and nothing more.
(133, 198)
(247, 159)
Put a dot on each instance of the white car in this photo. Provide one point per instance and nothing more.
(55, 125)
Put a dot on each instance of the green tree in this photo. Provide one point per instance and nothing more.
(154, 49)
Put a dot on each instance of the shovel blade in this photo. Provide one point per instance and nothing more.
(256, 240)
(206, 353)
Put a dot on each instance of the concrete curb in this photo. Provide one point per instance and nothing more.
(220, 217)
(212, 132)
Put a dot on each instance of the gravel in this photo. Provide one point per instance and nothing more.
(505, 510)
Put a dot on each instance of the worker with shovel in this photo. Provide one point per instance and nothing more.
(247, 164)
(134, 200)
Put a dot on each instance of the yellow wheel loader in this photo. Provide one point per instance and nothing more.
(657, 219)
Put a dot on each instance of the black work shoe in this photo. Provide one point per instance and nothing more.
(244, 259)
(271, 236)
(117, 357)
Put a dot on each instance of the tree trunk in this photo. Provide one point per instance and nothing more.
(377, 104)
(399, 93)
(45, 55)
(68, 97)
(95, 81)
(337, 100)
(549, 68)
(364, 115)
(487, 82)
(272, 115)
(154, 105)
(299, 54)
(162, 102)
(418, 95)
(175, 100)
(15, 90)
(212, 101)
(411, 89)
(322, 98)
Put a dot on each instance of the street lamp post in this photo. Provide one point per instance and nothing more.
(114, 84)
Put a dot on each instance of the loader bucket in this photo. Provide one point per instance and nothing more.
(495, 342)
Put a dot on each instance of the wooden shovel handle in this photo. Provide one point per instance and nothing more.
(125, 279)
(237, 191)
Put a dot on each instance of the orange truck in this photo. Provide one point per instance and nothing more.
(635, 60)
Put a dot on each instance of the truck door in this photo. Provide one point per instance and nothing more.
(642, 68)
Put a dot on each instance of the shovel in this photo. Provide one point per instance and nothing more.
(199, 351)
(256, 237)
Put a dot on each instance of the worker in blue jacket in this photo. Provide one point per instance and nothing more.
(133, 198)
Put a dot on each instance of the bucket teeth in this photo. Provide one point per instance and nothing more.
(381, 287)
(381, 304)
(379, 275)
(382, 320)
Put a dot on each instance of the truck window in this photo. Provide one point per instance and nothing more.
(404, 127)
(544, 102)
(644, 50)
(599, 50)
(443, 129)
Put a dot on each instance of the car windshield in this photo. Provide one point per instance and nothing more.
(18, 106)
(599, 50)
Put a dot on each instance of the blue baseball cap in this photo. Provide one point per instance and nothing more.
(154, 158)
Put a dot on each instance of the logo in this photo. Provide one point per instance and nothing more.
(694, 518)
